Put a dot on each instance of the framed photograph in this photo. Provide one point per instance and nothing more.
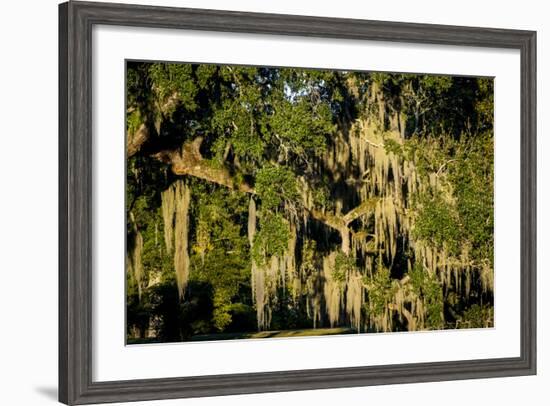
(259, 202)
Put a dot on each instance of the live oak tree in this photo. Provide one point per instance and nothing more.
(289, 198)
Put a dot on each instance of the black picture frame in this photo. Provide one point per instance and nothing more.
(76, 20)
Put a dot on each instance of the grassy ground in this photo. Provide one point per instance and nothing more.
(260, 334)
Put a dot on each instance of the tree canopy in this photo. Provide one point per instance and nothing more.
(266, 198)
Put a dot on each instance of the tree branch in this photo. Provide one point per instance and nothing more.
(364, 208)
(443, 166)
(134, 141)
(373, 143)
(189, 161)
(332, 220)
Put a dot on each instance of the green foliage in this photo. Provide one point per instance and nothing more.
(484, 104)
(205, 75)
(427, 287)
(239, 113)
(272, 239)
(300, 126)
(321, 196)
(175, 78)
(344, 264)
(309, 255)
(439, 105)
(236, 123)
(472, 178)
(133, 121)
(380, 290)
(438, 223)
(274, 185)
(462, 214)
(477, 316)
(392, 146)
(138, 87)
(224, 263)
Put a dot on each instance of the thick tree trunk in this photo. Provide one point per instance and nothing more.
(346, 244)
(136, 140)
